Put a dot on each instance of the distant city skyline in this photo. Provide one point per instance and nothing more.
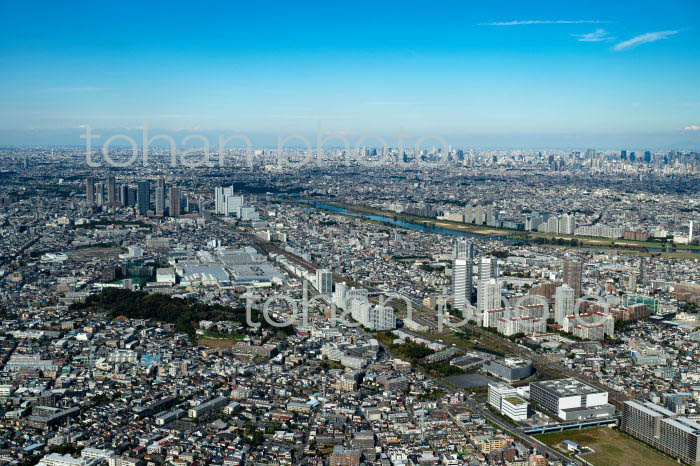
(554, 75)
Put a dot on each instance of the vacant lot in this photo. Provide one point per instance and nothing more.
(219, 343)
(612, 448)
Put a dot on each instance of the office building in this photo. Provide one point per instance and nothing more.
(175, 198)
(160, 183)
(515, 408)
(90, 190)
(143, 197)
(160, 201)
(324, 281)
(160, 197)
(131, 196)
(111, 191)
(571, 399)
(498, 391)
(124, 195)
(99, 194)
(572, 276)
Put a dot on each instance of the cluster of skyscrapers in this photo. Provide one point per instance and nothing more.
(488, 288)
(138, 196)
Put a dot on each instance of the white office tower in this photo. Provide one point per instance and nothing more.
(487, 285)
(324, 281)
(462, 273)
(564, 302)
(225, 203)
(220, 196)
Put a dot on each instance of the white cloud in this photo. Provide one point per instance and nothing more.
(692, 128)
(599, 35)
(643, 39)
(542, 21)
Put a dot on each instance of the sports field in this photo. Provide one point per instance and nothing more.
(612, 448)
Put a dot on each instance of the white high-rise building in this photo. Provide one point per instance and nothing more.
(487, 285)
(489, 295)
(488, 268)
(462, 282)
(567, 224)
(324, 281)
(564, 302)
(462, 273)
(220, 196)
(690, 232)
(381, 318)
(373, 317)
(340, 294)
(226, 203)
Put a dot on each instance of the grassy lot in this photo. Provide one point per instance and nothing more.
(612, 448)
(219, 343)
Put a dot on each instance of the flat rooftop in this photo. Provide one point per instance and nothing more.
(567, 387)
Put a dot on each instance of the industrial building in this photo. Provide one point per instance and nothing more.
(571, 399)
(510, 369)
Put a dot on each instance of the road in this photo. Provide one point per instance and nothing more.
(475, 407)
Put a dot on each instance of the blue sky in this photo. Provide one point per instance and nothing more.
(613, 72)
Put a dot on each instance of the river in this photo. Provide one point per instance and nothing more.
(444, 231)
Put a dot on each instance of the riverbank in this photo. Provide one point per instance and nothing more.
(400, 219)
